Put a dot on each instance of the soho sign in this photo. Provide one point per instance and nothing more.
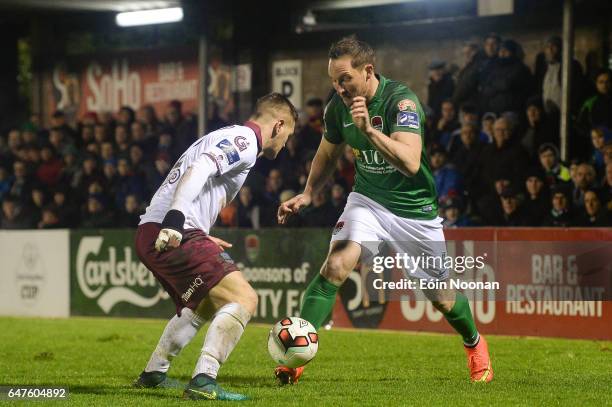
(111, 91)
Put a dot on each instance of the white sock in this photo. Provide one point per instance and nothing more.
(177, 334)
(223, 334)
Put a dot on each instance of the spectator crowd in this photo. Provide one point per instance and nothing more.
(492, 139)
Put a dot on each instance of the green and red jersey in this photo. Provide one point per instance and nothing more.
(394, 108)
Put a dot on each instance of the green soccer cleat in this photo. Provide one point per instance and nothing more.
(203, 387)
(150, 380)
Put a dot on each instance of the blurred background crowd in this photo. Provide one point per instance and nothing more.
(492, 140)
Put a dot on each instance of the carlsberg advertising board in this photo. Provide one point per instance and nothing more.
(107, 278)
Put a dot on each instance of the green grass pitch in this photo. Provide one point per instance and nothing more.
(98, 358)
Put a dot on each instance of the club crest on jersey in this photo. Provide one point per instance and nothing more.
(408, 119)
(377, 122)
(229, 150)
(241, 142)
(406, 104)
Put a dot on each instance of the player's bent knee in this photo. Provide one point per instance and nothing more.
(250, 300)
(335, 270)
(246, 296)
(234, 288)
(341, 260)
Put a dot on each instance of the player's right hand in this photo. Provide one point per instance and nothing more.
(167, 239)
(292, 206)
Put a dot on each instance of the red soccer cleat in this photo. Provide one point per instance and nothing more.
(288, 375)
(479, 362)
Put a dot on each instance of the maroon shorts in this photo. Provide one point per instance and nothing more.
(188, 272)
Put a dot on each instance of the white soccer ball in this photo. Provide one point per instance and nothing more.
(293, 342)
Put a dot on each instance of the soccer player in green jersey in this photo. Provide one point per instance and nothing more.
(394, 198)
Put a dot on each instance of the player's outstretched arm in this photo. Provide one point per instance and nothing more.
(323, 166)
(187, 190)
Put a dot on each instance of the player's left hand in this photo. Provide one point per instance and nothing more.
(168, 239)
(359, 111)
(220, 242)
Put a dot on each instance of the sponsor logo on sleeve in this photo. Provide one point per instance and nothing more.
(174, 175)
(241, 142)
(229, 151)
(377, 122)
(427, 208)
(406, 104)
(408, 119)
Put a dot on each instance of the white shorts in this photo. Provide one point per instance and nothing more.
(368, 223)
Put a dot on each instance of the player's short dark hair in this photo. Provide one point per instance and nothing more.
(360, 52)
(275, 101)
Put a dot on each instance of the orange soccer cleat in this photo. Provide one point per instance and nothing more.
(288, 375)
(479, 362)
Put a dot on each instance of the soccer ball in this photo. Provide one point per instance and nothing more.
(293, 342)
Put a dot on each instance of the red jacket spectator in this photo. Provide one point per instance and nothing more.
(50, 170)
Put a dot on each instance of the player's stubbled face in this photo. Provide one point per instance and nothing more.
(348, 82)
(278, 142)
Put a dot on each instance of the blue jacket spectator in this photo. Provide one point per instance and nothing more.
(128, 184)
(449, 182)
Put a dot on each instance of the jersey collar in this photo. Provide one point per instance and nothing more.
(382, 81)
(257, 130)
